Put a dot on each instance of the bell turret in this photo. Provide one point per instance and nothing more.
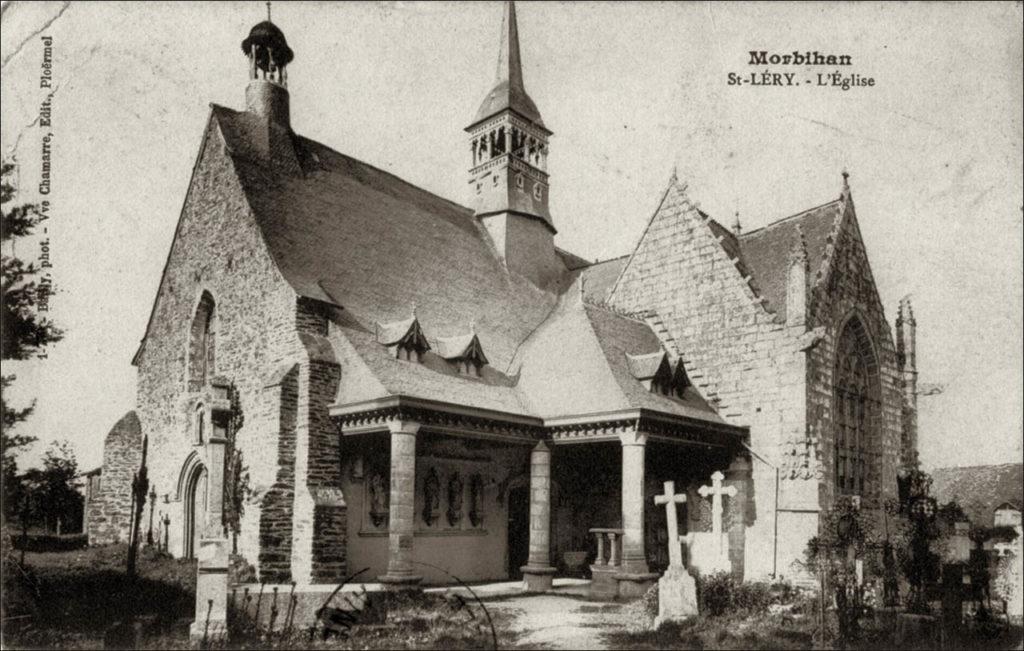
(269, 56)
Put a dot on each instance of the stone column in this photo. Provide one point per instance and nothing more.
(401, 515)
(214, 525)
(210, 622)
(635, 577)
(538, 573)
(633, 557)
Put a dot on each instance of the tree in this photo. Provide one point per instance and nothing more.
(23, 333)
(61, 501)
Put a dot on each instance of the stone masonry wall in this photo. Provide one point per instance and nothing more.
(110, 509)
(737, 354)
(848, 291)
(217, 248)
(319, 510)
(275, 524)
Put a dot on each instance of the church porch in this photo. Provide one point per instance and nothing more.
(435, 495)
(605, 523)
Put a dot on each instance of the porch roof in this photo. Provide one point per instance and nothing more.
(458, 419)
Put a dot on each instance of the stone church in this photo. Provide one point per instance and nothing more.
(342, 371)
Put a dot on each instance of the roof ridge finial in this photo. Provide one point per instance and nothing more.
(736, 227)
(268, 12)
(846, 182)
(674, 178)
(415, 307)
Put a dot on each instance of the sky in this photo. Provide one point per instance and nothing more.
(631, 91)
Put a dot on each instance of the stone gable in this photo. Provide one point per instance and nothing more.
(843, 290)
(737, 353)
(218, 248)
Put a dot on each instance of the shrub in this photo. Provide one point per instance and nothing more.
(720, 594)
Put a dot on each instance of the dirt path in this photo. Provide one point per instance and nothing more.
(558, 622)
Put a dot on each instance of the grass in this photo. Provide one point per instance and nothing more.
(727, 632)
(71, 600)
(799, 631)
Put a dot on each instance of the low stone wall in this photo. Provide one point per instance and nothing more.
(280, 606)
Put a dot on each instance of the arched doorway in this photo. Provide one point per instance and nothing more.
(195, 510)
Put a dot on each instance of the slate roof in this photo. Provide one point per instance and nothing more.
(765, 251)
(578, 362)
(349, 234)
(599, 278)
(980, 489)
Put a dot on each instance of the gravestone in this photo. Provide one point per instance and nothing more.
(677, 591)
(713, 553)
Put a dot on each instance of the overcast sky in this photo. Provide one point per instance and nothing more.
(630, 90)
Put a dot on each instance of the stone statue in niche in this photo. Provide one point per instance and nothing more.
(431, 497)
(476, 500)
(378, 488)
(200, 429)
(454, 499)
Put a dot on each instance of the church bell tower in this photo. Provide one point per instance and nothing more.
(269, 56)
(508, 175)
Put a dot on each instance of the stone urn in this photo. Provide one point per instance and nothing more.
(574, 561)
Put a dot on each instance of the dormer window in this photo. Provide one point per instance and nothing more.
(406, 338)
(464, 352)
(680, 380)
(658, 374)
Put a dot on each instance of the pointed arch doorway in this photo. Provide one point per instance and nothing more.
(195, 509)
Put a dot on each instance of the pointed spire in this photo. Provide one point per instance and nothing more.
(510, 67)
(509, 92)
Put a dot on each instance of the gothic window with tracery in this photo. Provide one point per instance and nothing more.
(855, 408)
(201, 344)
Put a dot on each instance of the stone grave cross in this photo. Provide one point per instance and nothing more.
(670, 499)
(716, 491)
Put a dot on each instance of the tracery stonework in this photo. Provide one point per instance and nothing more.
(856, 409)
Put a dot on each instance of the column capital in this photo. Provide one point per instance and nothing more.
(633, 436)
(397, 426)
